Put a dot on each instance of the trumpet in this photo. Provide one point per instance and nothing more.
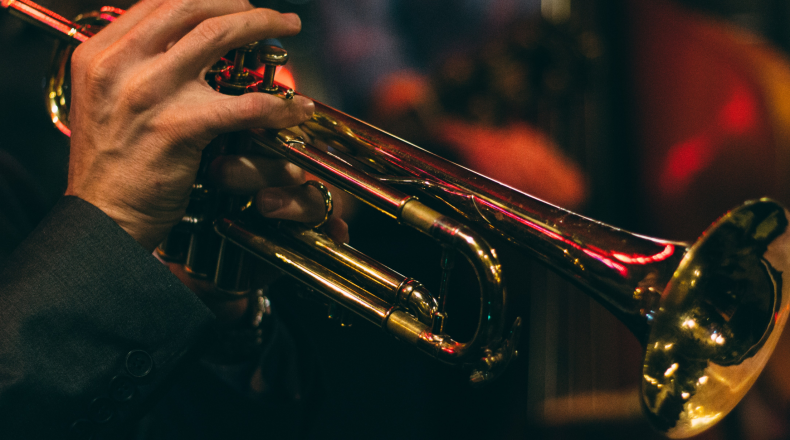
(709, 314)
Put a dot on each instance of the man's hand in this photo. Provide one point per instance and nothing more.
(142, 113)
(280, 193)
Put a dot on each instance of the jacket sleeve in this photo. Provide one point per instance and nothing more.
(92, 328)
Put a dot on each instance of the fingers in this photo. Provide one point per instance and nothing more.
(302, 203)
(290, 201)
(247, 175)
(118, 28)
(215, 36)
(205, 114)
(174, 19)
(337, 230)
(225, 113)
(151, 26)
(193, 33)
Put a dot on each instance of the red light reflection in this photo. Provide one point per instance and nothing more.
(112, 9)
(285, 77)
(282, 76)
(62, 127)
(107, 17)
(622, 270)
(740, 112)
(640, 259)
(686, 159)
(616, 266)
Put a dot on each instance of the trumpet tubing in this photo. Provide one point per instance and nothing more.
(709, 314)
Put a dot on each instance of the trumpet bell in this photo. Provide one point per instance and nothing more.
(718, 320)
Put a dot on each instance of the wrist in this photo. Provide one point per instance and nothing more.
(145, 230)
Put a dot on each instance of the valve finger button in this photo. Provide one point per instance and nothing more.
(271, 57)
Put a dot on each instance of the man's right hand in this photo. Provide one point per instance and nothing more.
(142, 113)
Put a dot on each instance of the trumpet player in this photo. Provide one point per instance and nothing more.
(93, 328)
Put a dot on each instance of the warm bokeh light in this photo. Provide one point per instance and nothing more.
(684, 160)
(283, 76)
(740, 113)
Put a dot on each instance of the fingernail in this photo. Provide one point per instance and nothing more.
(293, 18)
(269, 203)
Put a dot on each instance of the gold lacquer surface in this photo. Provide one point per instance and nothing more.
(719, 320)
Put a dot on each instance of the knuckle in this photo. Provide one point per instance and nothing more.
(242, 5)
(97, 69)
(213, 31)
(192, 8)
(86, 64)
(138, 94)
(263, 16)
(79, 57)
(185, 7)
(253, 110)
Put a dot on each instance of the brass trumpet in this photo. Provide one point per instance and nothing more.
(709, 314)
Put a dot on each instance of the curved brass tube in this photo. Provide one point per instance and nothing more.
(383, 297)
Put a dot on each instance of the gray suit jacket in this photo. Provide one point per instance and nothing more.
(92, 328)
